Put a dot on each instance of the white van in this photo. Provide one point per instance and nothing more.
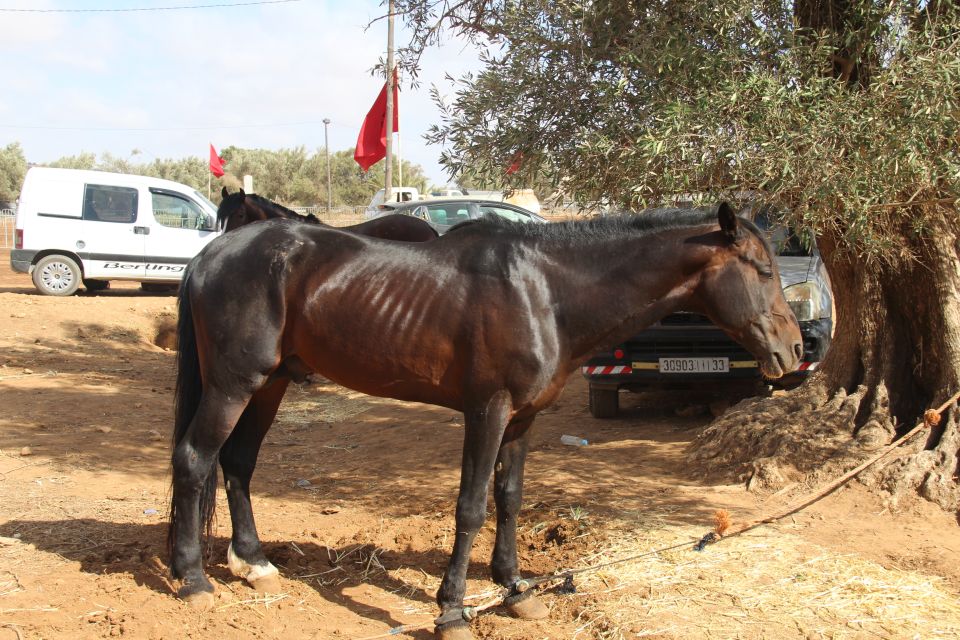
(91, 227)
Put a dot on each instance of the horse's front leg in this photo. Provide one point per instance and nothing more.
(238, 457)
(484, 427)
(508, 494)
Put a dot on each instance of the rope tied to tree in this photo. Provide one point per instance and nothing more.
(722, 529)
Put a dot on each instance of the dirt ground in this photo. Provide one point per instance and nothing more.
(354, 501)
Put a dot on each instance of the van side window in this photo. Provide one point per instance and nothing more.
(174, 211)
(109, 204)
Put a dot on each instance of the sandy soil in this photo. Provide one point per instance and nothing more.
(354, 500)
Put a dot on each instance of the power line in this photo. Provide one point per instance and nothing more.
(134, 9)
(155, 129)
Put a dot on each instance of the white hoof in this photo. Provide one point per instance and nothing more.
(262, 577)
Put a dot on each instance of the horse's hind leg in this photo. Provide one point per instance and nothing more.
(238, 457)
(508, 495)
(194, 491)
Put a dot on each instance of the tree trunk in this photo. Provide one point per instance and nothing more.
(896, 352)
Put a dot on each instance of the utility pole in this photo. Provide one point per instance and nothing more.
(326, 146)
(388, 170)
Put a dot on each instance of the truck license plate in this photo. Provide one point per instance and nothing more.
(694, 365)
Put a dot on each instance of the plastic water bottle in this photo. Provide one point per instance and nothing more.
(573, 441)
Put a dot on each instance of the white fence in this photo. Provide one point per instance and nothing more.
(6, 228)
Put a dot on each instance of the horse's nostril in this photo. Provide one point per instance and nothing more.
(798, 350)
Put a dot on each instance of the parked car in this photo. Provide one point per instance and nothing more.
(444, 214)
(687, 351)
(91, 227)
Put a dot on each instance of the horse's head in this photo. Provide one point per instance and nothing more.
(740, 292)
(236, 210)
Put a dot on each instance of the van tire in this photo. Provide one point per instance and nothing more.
(57, 275)
(96, 285)
(604, 402)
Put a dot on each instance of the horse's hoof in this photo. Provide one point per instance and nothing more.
(530, 608)
(459, 632)
(267, 584)
(199, 600)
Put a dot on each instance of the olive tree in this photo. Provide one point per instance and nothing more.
(841, 113)
(13, 167)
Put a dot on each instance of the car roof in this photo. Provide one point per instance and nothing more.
(412, 204)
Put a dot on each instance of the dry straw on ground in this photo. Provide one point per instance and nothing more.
(765, 584)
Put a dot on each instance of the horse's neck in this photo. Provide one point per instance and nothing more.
(611, 289)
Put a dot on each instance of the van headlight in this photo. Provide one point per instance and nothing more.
(804, 300)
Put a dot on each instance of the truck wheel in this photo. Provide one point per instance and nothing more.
(96, 285)
(57, 275)
(604, 403)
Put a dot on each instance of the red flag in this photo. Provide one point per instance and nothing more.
(372, 141)
(216, 163)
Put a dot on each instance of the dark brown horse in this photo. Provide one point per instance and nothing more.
(490, 320)
(238, 209)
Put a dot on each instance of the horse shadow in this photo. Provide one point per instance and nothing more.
(136, 550)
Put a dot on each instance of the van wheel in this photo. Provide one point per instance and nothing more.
(57, 275)
(604, 403)
(96, 285)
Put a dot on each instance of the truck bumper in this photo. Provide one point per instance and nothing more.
(638, 368)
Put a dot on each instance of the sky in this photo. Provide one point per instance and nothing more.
(169, 83)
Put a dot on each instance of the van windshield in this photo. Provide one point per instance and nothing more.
(204, 200)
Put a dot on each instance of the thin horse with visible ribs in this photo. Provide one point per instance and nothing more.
(239, 209)
(490, 320)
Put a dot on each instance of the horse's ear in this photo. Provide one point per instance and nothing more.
(728, 221)
(224, 192)
(242, 191)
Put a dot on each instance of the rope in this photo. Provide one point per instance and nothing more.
(931, 418)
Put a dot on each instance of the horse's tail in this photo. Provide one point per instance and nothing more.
(189, 391)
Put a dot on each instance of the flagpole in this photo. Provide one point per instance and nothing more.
(388, 170)
(399, 156)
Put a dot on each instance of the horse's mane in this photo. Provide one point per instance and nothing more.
(572, 231)
(234, 201)
(282, 211)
